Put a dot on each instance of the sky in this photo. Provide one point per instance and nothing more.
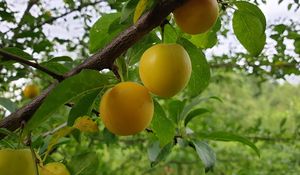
(273, 12)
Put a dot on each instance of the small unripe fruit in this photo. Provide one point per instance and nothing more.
(31, 91)
(54, 168)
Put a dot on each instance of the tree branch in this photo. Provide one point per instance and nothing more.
(101, 60)
(29, 63)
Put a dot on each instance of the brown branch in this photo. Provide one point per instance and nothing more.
(101, 60)
(21, 60)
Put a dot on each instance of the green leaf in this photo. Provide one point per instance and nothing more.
(80, 84)
(170, 34)
(140, 8)
(200, 69)
(194, 102)
(128, 9)
(102, 33)
(70, 3)
(252, 9)
(7, 16)
(297, 46)
(194, 114)
(157, 154)
(135, 52)
(249, 30)
(109, 137)
(83, 107)
(18, 52)
(84, 164)
(207, 39)
(55, 67)
(7, 104)
(175, 108)
(205, 153)
(162, 126)
(9, 133)
(61, 58)
(225, 136)
(42, 46)
(56, 137)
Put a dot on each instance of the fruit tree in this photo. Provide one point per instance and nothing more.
(137, 86)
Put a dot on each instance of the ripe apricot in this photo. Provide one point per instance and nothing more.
(31, 91)
(126, 109)
(165, 69)
(196, 16)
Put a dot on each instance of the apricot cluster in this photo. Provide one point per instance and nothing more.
(164, 69)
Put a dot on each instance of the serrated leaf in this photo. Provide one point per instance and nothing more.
(140, 7)
(247, 25)
(206, 154)
(83, 107)
(84, 164)
(194, 114)
(102, 33)
(162, 126)
(157, 154)
(75, 86)
(225, 136)
(200, 76)
(7, 104)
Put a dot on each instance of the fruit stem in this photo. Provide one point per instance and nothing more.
(36, 161)
(162, 30)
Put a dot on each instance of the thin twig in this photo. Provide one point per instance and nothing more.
(54, 130)
(23, 61)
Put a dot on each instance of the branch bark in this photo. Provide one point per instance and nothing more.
(29, 63)
(101, 60)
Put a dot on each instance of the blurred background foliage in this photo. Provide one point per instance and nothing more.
(256, 101)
